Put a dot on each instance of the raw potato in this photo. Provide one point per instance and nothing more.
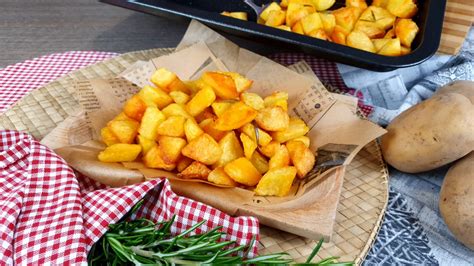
(430, 134)
(456, 200)
(462, 87)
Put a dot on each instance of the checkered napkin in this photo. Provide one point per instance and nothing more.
(50, 216)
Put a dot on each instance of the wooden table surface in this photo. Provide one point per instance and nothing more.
(31, 28)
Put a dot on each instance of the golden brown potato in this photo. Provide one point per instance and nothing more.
(276, 182)
(146, 144)
(273, 119)
(209, 126)
(379, 16)
(402, 8)
(237, 15)
(356, 3)
(231, 149)
(406, 30)
(249, 145)
(322, 5)
(319, 34)
(405, 50)
(370, 28)
(135, 108)
(108, 137)
(119, 152)
(219, 177)
(242, 171)
(171, 148)
(360, 40)
(295, 13)
(263, 137)
(124, 130)
(236, 116)
(297, 28)
(296, 128)
(311, 23)
(203, 149)
(241, 83)
(329, 22)
(206, 114)
(163, 78)
(390, 34)
(266, 12)
(154, 159)
(391, 48)
(303, 139)
(176, 109)
(192, 129)
(380, 3)
(346, 17)
(150, 122)
(260, 162)
(223, 85)
(203, 99)
(251, 99)
(195, 170)
(183, 163)
(154, 97)
(276, 18)
(339, 35)
(281, 158)
(277, 98)
(301, 157)
(179, 97)
(270, 149)
(284, 27)
(173, 126)
(219, 107)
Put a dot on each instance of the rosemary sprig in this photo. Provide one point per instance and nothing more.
(143, 242)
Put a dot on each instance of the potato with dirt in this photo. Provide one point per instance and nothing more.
(432, 133)
(456, 200)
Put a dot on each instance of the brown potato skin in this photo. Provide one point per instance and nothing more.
(463, 87)
(430, 134)
(456, 200)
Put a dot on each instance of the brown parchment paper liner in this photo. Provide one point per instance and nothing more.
(335, 129)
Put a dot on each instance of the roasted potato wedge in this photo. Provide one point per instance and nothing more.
(231, 149)
(173, 126)
(195, 170)
(155, 97)
(176, 109)
(146, 144)
(249, 145)
(154, 159)
(171, 148)
(124, 130)
(402, 8)
(360, 40)
(220, 177)
(222, 84)
(242, 171)
(301, 157)
(135, 108)
(263, 137)
(203, 99)
(236, 116)
(203, 149)
(406, 31)
(209, 126)
(119, 152)
(192, 129)
(273, 119)
(179, 97)
(183, 163)
(281, 158)
(108, 137)
(251, 99)
(152, 118)
(296, 128)
(260, 162)
(270, 149)
(276, 182)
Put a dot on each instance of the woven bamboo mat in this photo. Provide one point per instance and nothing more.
(458, 19)
(364, 195)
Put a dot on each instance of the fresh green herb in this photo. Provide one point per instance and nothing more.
(143, 242)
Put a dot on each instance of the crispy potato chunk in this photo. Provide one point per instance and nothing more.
(195, 170)
(311, 23)
(237, 15)
(273, 119)
(168, 81)
(203, 149)
(192, 129)
(222, 84)
(179, 97)
(219, 107)
(357, 3)
(297, 28)
(260, 163)
(236, 116)
(391, 48)
(360, 40)
(249, 145)
(209, 126)
(173, 126)
(390, 34)
(295, 13)
(380, 3)
(171, 148)
(206, 114)
(405, 50)
(346, 17)
(176, 109)
(252, 99)
(329, 22)
(406, 30)
(284, 27)
(319, 34)
(231, 149)
(242, 171)
(281, 158)
(203, 99)
(145, 143)
(322, 5)
(402, 8)
(150, 122)
(270, 149)
(119, 152)
(154, 159)
(154, 97)
(278, 98)
(296, 128)
(272, 7)
(276, 18)
(135, 108)
(263, 137)
(303, 139)
(219, 177)
(124, 130)
(339, 35)
(183, 162)
(301, 157)
(108, 137)
(241, 83)
(276, 182)
(379, 16)
(370, 28)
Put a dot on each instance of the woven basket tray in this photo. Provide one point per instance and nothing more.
(364, 195)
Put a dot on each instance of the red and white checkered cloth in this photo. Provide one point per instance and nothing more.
(51, 215)
(48, 216)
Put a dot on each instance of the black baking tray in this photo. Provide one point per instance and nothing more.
(429, 19)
